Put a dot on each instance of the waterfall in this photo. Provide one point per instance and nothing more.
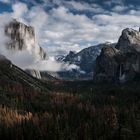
(120, 71)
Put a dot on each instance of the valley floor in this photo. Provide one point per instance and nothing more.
(77, 110)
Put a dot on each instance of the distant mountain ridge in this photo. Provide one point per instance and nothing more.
(105, 62)
(85, 60)
(22, 37)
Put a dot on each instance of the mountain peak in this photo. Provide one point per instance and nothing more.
(72, 53)
(84, 59)
(22, 37)
(121, 63)
(129, 41)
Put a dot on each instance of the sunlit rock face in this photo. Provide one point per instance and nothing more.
(34, 73)
(129, 41)
(121, 63)
(22, 37)
(43, 75)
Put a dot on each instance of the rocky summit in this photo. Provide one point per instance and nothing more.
(129, 41)
(22, 37)
(122, 63)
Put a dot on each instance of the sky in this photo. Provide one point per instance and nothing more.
(71, 25)
(64, 25)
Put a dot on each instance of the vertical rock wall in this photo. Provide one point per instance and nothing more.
(22, 37)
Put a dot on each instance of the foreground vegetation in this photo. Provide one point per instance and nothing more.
(73, 111)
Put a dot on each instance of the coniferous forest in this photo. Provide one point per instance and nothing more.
(69, 69)
(71, 111)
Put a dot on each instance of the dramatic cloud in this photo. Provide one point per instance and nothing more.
(74, 25)
(5, 1)
(25, 58)
(61, 30)
(52, 65)
(20, 10)
(82, 6)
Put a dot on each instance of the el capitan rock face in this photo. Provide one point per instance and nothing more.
(22, 37)
(121, 63)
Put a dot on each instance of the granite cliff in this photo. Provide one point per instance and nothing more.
(22, 37)
(122, 63)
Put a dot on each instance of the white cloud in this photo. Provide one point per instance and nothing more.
(118, 20)
(60, 31)
(25, 59)
(83, 6)
(5, 1)
(119, 8)
(52, 65)
(20, 9)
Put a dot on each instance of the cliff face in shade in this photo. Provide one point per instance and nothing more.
(12, 77)
(121, 63)
(22, 37)
(107, 65)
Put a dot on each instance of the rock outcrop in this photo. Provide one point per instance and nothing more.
(34, 73)
(129, 41)
(120, 64)
(22, 37)
(43, 75)
(42, 54)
